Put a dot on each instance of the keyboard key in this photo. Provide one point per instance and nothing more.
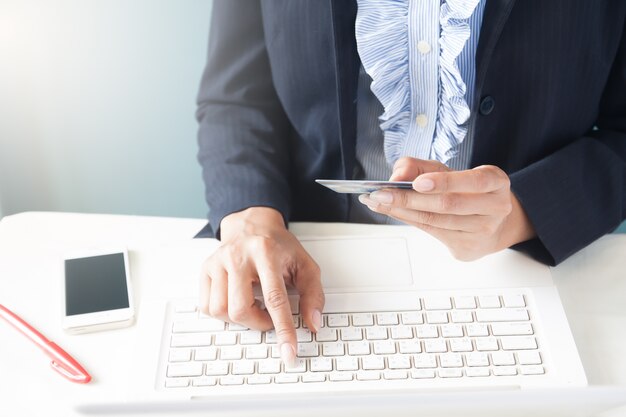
(532, 370)
(256, 352)
(190, 340)
(465, 302)
(409, 346)
(359, 348)
(518, 342)
(385, 319)
(236, 327)
(347, 363)
(196, 326)
(373, 362)
(514, 300)
(351, 333)
(502, 358)
(476, 329)
(460, 345)
(184, 369)
(231, 353)
(435, 346)
(422, 373)
(450, 373)
(384, 347)
(217, 368)
(399, 362)
(451, 360)
(226, 339)
(250, 337)
(270, 337)
(204, 381)
(332, 349)
(313, 377)
(176, 382)
(452, 330)
(180, 355)
(367, 375)
(412, 317)
(486, 344)
(259, 379)
(326, 334)
(298, 367)
(461, 316)
(502, 314)
(308, 350)
(376, 333)
(437, 303)
(363, 319)
(321, 364)
(437, 317)
(425, 331)
(511, 329)
(340, 376)
(286, 378)
(304, 335)
(477, 359)
(424, 361)
(489, 301)
(269, 366)
(338, 320)
(296, 322)
(231, 380)
(206, 354)
(504, 370)
(401, 332)
(477, 372)
(529, 358)
(243, 367)
(395, 374)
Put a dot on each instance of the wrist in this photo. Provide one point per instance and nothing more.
(253, 220)
(518, 227)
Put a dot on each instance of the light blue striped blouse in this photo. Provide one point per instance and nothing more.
(418, 97)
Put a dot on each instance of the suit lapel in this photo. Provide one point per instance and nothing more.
(495, 16)
(347, 64)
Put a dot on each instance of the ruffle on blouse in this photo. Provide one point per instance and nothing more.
(382, 36)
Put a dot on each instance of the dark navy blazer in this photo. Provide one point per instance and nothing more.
(277, 109)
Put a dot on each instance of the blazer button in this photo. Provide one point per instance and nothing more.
(486, 105)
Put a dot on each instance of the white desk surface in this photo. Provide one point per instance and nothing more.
(592, 285)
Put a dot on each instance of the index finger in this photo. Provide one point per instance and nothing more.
(277, 304)
(482, 179)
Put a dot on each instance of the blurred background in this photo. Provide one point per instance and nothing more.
(97, 102)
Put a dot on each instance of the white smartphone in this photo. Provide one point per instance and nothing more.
(97, 291)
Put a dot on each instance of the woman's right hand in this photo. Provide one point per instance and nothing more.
(257, 249)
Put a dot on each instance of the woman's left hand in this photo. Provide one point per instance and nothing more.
(473, 212)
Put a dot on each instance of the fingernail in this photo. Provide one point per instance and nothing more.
(423, 184)
(317, 320)
(288, 354)
(364, 199)
(382, 197)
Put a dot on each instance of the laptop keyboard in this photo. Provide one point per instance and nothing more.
(487, 336)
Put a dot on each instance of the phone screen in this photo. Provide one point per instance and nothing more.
(96, 283)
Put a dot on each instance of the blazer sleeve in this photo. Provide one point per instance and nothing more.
(577, 194)
(243, 132)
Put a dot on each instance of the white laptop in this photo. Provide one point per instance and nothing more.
(403, 322)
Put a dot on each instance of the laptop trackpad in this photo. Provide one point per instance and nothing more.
(361, 262)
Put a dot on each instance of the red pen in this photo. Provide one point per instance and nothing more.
(62, 362)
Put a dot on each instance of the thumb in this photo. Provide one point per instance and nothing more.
(407, 169)
(309, 286)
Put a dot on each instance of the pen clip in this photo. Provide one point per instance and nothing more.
(68, 373)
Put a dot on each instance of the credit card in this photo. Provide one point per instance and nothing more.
(363, 187)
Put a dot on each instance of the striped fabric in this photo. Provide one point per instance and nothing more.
(421, 57)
